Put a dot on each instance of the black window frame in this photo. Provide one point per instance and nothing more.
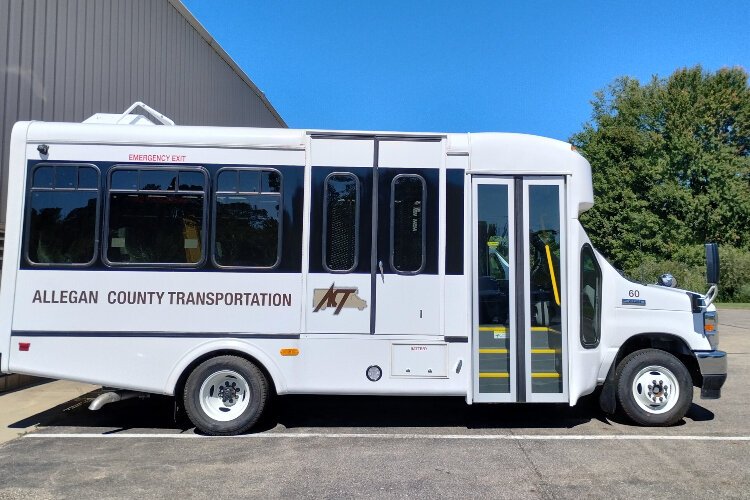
(280, 194)
(586, 248)
(357, 192)
(204, 224)
(97, 218)
(424, 224)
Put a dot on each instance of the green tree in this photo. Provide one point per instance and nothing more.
(671, 165)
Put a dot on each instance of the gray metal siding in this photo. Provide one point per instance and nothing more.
(64, 60)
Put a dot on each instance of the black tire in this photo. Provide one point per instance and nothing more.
(628, 370)
(256, 396)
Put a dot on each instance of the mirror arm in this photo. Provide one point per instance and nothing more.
(711, 295)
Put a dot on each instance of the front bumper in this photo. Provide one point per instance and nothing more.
(713, 367)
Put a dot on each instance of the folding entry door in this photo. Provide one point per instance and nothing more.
(519, 320)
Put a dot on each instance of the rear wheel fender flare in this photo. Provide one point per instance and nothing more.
(225, 346)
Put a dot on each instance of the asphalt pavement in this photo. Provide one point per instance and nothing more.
(334, 447)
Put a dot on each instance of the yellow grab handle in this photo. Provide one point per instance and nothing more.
(552, 275)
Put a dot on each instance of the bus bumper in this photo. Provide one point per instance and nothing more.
(713, 366)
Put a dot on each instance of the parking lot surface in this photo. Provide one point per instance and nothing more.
(332, 447)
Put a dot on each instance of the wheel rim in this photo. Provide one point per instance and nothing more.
(224, 395)
(656, 389)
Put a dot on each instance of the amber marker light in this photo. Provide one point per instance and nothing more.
(289, 351)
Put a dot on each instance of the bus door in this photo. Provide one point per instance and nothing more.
(339, 278)
(407, 279)
(519, 318)
(374, 235)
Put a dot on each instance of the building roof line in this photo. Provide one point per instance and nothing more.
(197, 26)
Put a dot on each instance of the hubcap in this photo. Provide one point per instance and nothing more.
(224, 395)
(655, 389)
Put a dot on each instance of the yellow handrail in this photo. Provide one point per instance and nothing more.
(552, 275)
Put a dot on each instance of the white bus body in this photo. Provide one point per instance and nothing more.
(333, 262)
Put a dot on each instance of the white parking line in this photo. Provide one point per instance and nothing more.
(489, 437)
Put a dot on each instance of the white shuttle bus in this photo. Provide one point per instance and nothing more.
(226, 265)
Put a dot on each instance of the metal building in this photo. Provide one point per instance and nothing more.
(64, 60)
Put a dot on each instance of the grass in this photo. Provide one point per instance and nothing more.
(733, 305)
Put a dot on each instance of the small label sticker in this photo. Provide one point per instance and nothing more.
(118, 243)
(633, 302)
(500, 335)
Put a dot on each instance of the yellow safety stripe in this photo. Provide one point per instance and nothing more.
(546, 351)
(502, 329)
(507, 375)
(552, 275)
(505, 351)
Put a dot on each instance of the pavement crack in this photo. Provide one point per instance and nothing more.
(540, 480)
(736, 326)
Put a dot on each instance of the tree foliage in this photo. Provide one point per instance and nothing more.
(671, 165)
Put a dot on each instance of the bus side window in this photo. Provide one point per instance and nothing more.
(408, 203)
(591, 298)
(156, 216)
(340, 222)
(63, 214)
(248, 218)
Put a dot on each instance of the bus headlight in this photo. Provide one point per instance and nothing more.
(711, 328)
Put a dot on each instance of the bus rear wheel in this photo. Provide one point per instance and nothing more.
(654, 388)
(225, 395)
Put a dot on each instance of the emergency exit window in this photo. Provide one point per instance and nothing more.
(63, 215)
(156, 216)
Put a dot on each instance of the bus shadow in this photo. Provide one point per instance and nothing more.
(158, 413)
(424, 412)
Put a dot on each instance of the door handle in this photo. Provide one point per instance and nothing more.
(380, 268)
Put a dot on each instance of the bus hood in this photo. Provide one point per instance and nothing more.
(632, 295)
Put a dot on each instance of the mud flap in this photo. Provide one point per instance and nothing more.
(608, 396)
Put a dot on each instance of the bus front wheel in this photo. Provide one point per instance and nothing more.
(225, 395)
(654, 388)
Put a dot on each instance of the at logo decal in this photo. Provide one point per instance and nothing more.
(337, 297)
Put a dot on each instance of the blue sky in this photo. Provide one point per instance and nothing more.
(450, 66)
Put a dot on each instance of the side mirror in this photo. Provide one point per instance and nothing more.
(712, 263)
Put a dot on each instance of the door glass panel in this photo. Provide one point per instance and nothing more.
(493, 261)
(545, 290)
(341, 213)
(407, 223)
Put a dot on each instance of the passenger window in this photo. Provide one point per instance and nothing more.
(340, 222)
(408, 200)
(150, 222)
(62, 220)
(591, 298)
(247, 229)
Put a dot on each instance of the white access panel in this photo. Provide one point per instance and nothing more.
(419, 360)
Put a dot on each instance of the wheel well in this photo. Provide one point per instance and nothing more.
(180, 386)
(665, 342)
